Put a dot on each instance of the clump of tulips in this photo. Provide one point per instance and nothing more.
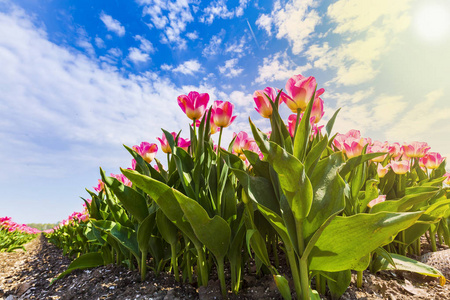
(13, 235)
(296, 189)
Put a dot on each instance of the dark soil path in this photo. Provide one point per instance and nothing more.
(27, 275)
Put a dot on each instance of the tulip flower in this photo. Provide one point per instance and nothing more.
(396, 150)
(433, 160)
(416, 149)
(263, 102)
(447, 178)
(194, 104)
(400, 166)
(299, 91)
(222, 111)
(100, 187)
(183, 143)
(382, 171)
(381, 198)
(242, 142)
(317, 110)
(354, 147)
(377, 147)
(146, 150)
(133, 164)
(165, 147)
(122, 178)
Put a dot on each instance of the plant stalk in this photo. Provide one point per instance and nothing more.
(174, 261)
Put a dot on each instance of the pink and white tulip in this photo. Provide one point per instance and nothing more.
(416, 149)
(433, 160)
(264, 104)
(400, 166)
(222, 113)
(194, 104)
(379, 199)
(146, 150)
(299, 91)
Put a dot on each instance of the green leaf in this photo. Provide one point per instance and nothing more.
(404, 263)
(295, 184)
(168, 230)
(346, 240)
(330, 123)
(133, 201)
(355, 161)
(126, 237)
(340, 283)
(283, 286)
(314, 155)
(144, 232)
(328, 188)
(406, 203)
(303, 132)
(85, 261)
(166, 200)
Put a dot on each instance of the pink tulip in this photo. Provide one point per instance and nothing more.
(377, 147)
(354, 147)
(400, 166)
(381, 198)
(133, 164)
(447, 178)
(156, 167)
(222, 111)
(263, 104)
(165, 144)
(353, 133)
(338, 142)
(299, 91)
(100, 187)
(382, 171)
(194, 104)
(242, 142)
(122, 179)
(433, 160)
(317, 110)
(184, 143)
(396, 150)
(415, 149)
(146, 150)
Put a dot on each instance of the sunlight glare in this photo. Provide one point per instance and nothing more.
(432, 21)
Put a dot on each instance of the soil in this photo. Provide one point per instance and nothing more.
(27, 275)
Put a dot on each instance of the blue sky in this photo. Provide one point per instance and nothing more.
(80, 78)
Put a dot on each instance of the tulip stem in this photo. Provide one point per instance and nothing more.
(194, 139)
(218, 194)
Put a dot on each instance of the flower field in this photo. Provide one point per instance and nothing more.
(330, 203)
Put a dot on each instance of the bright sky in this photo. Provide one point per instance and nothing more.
(80, 78)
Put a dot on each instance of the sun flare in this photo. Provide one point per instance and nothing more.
(432, 21)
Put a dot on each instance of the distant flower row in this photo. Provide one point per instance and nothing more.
(10, 225)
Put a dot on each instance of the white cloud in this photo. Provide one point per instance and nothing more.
(229, 69)
(166, 67)
(137, 56)
(188, 67)
(192, 35)
(171, 17)
(112, 24)
(295, 20)
(99, 42)
(214, 45)
(219, 9)
(146, 46)
(237, 48)
(278, 67)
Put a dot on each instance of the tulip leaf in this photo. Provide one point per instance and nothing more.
(406, 203)
(126, 236)
(355, 161)
(314, 155)
(295, 184)
(167, 229)
(133, 201)
(283, 286)
(328, 188)
(404, 263)
(303, 132)
(339, 283)
(166, 200)
(85, 261)
(346, 240)
(330, 123)
(144, 232)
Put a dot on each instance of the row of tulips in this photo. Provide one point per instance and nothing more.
(13, 235)
(296, 189)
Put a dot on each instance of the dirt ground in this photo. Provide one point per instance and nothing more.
(27, 275)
